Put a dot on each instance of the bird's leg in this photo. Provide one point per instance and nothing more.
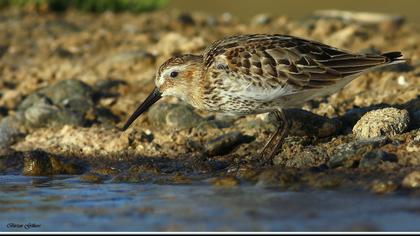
(271, 147)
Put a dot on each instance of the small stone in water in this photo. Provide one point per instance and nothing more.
(383, 186)
(37, 163)
(225, 182)
(92, 178)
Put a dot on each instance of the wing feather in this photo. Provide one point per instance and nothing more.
(279, 60)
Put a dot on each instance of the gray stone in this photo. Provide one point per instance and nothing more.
(376, 157)
(305, 123)
(186, 19)
(66, 102)
(383, 122)
(349, 154)
(261, 19)
(59, 93)
(175, 116)
(225, 143)
(415, 119)
(11, 129)
(93, 178)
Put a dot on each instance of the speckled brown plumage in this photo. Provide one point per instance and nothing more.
(251, 74)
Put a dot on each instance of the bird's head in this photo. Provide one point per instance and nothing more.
(179, 77)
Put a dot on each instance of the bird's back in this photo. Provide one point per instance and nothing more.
(264, 68)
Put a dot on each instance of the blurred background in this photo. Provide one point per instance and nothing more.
(296, 9)
(242, 9)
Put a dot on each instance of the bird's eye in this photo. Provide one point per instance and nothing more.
(174, 74)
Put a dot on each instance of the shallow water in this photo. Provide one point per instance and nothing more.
(66, 204)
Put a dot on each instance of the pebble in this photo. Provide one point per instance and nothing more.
(349, 154)
(305, 123)
(225, 181)
(415, 119)
(225, 143)
(41, 163)
(93, 178)
(261, 19)
(66, 167)
(66, 102)
(383, 122)
(37, 163)
(374, 158)
(361, 17)
(176, 116)
(343, 37)
(412, 180)
(186, 19)
(413, 146)
(380, 186)
(11, 129)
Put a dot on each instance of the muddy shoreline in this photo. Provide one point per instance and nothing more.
(69, 81)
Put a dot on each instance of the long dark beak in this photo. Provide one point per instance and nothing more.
(150, 100)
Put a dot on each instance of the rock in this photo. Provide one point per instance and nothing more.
(349, 154)
(37, 163)
(127, 178)
(3, 111)
(186, 19)
(11, 162)
(108, 87)
(182, 117)
(415, 119)
(301, 155)
(413, 146)
(360, 17)
(374, 158)
(276, 178)
(211, 21)
(126, 57)
(40, 163)
(305, 123)
(261, 19)
(225, 182)
(412, 180)
(225, 143)
(3, 49)
(176, 116)
(383, 186)
(388, 121)
(66, 167)
(93, 178)
(352, 116)
(322, 28)
(172, 43)
(226, 18)
(61, 92)
(66, 102)
(11, 129)
(41, 113)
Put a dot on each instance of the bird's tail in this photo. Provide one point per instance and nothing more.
(394, 57)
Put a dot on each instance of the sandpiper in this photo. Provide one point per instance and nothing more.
(259, 73)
